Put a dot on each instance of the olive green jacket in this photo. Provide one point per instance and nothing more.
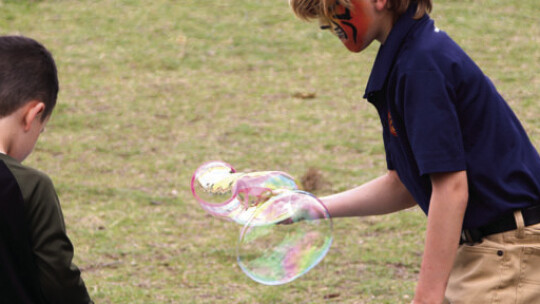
(35, 251)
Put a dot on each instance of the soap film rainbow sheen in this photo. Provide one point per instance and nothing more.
(277, 254)
(223, 192)
(286, 231)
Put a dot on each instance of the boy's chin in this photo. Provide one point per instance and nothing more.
(355, 47)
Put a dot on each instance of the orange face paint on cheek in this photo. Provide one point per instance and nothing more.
(351, 26)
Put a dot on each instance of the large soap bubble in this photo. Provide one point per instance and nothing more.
(285, 238)
(286, 231)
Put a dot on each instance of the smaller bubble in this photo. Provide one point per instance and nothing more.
(225, 193)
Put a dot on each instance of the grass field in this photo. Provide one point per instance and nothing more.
(152, 89)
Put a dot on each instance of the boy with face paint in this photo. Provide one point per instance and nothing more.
(453, 147)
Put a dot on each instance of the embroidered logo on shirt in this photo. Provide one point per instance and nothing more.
(391, 125)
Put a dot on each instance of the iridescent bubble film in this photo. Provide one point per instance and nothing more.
(286, 232)
(286, 237)
(223, 192)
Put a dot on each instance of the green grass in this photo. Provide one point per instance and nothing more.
(152, 89)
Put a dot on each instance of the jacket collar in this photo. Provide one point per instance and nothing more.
(389, 50)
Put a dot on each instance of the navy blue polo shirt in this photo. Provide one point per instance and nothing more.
(440, 113)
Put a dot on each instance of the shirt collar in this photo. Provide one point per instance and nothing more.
(388, 51)
(4, 156)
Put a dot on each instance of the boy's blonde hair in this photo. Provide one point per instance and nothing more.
(314, 9)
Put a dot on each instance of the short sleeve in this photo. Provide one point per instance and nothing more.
(431, 121)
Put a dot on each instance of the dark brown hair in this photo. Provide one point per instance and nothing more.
(27, 72)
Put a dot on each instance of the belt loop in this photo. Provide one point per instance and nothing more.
(520, 223)
(466, 237)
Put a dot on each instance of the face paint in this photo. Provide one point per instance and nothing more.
(351, 26)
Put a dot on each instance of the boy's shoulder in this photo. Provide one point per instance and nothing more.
(430, 49)
(429, 46)
(29, 180)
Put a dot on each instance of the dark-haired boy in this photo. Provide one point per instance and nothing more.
(453, 147)
(35, 252)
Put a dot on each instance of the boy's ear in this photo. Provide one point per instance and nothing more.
(380, 4)
(32, 111)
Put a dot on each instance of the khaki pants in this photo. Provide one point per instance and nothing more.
(503, 268)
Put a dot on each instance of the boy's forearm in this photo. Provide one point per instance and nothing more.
(445, 218)
(382, 195)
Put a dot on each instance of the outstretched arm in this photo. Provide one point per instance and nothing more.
(382, 195)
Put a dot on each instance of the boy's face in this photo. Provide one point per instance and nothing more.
(352, 26)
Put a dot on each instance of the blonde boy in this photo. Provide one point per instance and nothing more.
(453, 147)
